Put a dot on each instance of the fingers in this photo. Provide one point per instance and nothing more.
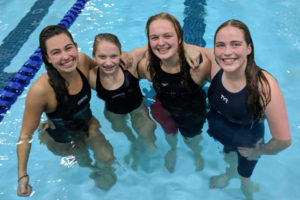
(248, 153)
(244, 151)
(29, 190)
(123, 64)
(200, 59)
(126, 60)
(24, 190)
(259, 143)
(126, 63)
(194, 63)
(242, 148)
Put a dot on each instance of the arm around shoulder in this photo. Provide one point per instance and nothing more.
(142, 69)
(209, 54)
(93, 77)
(137, 55)
(202, 73)
(85, 63)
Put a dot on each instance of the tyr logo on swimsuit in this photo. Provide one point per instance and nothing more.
(224, 98)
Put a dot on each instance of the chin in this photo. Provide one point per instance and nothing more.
(110, 71)
(164, 56)
(230, 69)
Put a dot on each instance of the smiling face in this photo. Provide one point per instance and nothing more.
(163, 39)
(62, 53)
(107, 56)
(231, 49)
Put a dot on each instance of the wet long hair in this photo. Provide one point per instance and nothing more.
(57, 82)
(108, 37)
(257, 86)
(155, 63)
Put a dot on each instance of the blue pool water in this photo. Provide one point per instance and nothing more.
(275, 28)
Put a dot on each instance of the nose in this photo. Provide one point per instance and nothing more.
(108, 62)
(160, 41)
(65, 55)
(227, 50)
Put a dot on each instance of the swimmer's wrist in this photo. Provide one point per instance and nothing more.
(24, 176)
(259, 151)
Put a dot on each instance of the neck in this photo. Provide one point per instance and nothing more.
(234, 81)
(171, 65)
(69, 76)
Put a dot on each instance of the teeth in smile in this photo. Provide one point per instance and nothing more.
(68, 63)
(228, 60)
(108, 68)
(163, 49)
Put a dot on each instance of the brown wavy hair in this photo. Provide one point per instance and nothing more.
(57, 82)
(258, 97)
(155, 62)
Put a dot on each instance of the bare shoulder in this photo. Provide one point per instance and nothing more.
(269, 77)
(40, 92)
(85, 63)
(83, 58)
(209, 52)
(272, 85)
(41, 86)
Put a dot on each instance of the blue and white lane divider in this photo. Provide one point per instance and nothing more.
(21, 79)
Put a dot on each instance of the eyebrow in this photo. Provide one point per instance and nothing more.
(70, 44)
(233, 41)
(238, 41)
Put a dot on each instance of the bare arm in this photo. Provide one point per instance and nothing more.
(193, 55)
(201, 74)
(137, 55)
(93, 77)
(209, 53)
(277, 118)
(142, 68)
(34, 107)
(85, 63)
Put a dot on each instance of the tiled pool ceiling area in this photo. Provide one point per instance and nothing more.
(14, 41)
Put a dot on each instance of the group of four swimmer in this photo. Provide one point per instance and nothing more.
(241, 95)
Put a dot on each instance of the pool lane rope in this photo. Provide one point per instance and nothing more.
(21, 79)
